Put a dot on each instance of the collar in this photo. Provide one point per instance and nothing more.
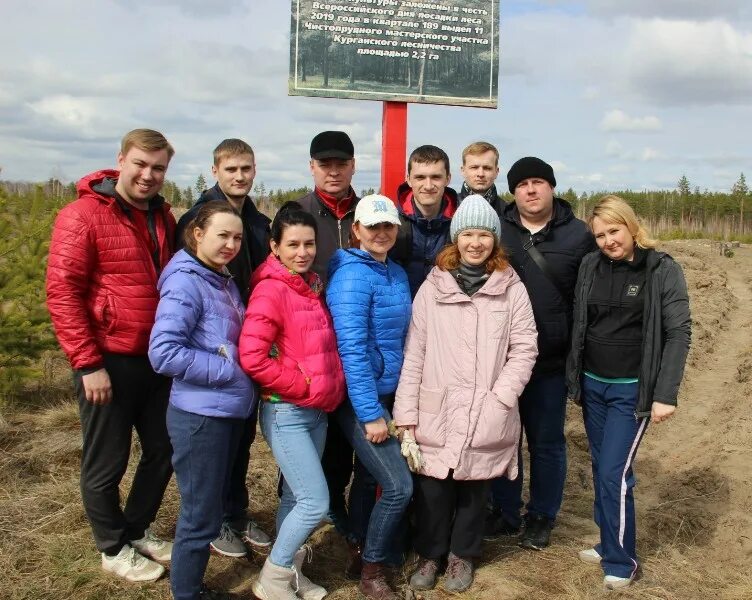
(339, 208)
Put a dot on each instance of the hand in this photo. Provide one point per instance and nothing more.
(661, 412)
(97, 387)
(377, 431)
(411, 450)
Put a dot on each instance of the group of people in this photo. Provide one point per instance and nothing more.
(405, 345)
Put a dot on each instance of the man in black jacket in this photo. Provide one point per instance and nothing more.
(332, 203)
(480, 168)
(234, 169)
(546, 244)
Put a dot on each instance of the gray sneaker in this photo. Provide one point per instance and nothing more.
(424, 577)
(459, 574)
(228, 544)
(252, 534)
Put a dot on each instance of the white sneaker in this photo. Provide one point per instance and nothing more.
(131, 566)
(611, 582)
(306, 589)
(153, 547)
(590, 556)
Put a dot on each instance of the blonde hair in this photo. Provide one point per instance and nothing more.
(449, 259)
(615, 210)
(147, 140)
(478, 148)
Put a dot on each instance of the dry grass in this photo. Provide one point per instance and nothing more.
(46, 551)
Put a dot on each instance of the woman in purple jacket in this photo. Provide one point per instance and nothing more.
(195, 341)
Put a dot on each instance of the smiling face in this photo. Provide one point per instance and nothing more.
(142, 174)
(614, 239)
(535, 199)
(333, 175)
(377, 239)
(235, 175)
(428, 182)
(475, 246)
(219, 242)
(297, 248)
(480, 171)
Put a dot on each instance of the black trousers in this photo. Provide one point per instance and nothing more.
(449, 515)
(139, 400)
(337, 463)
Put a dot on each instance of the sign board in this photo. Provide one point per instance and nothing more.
(440, 52)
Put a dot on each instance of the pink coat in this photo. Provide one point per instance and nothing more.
(283, 310)
(467, 360)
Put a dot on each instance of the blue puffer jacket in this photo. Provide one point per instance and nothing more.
(195, 340)
(371, 306)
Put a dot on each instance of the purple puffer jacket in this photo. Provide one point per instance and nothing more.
(195, 340)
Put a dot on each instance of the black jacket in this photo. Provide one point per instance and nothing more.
(490, 194)
(666, 331)
(256, 234)
(333, 233)
(563, 242)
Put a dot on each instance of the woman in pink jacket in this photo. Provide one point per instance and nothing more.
(470, 350)
(289, 348)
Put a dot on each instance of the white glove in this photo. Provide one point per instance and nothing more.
(411, 451)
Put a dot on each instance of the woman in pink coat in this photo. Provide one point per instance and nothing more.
(289, 348)
(470, 350)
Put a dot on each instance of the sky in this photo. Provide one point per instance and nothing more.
(615, 94)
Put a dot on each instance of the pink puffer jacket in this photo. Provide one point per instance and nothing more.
(283, 310)
(467, 360)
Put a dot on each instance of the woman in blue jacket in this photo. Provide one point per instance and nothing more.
(195, 341)
(369, 298)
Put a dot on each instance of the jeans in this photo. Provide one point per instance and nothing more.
(296, 436)
(236, 505)
(204, 448)
(139, 401)
(375, 522)
(542, 412)
(614, 433)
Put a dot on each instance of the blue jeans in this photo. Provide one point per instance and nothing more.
(542, 412)
(614, 434)
(203, 451)
(296, 436)
(376, 524)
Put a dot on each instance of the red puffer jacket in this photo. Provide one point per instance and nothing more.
(101, 278)
(286, 313)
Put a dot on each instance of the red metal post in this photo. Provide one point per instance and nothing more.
(393, 147)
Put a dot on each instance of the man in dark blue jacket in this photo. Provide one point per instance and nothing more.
(426, 206)
(546, 244)
(234, 169)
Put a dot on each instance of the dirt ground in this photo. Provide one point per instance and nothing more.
(694, 492)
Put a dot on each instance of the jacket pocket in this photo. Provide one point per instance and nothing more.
(109, 314)
(497, 427)
(499, 325)
(378, 364)
(431, 428)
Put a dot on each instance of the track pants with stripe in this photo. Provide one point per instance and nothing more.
(614, 434)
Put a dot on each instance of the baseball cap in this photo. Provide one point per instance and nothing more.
(375, 209)
(332, 144)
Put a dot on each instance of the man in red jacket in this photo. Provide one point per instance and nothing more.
(108, 248)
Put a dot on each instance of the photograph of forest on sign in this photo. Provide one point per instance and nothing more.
(441, 52)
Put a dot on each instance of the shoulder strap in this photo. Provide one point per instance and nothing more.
(529, 246)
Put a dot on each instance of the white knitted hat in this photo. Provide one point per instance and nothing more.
(475, 213)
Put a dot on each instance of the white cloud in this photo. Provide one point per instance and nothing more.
(614, 149)
(649, 154)
(689, 63)
(682, 9)
(618, 120)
